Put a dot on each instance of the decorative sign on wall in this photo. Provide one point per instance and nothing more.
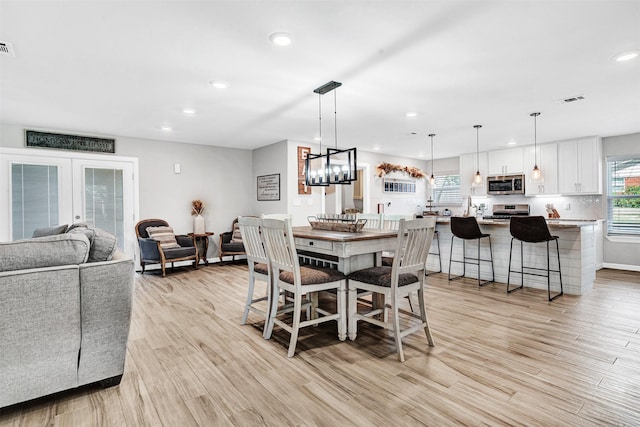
(302, 157)
(69, 142)
(269, 187)
(392, 185)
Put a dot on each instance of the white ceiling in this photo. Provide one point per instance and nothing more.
(128, 68)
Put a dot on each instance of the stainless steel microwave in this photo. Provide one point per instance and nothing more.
(505, 184)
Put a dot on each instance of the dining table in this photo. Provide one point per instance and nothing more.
(350, 251)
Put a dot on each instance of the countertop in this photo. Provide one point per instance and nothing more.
(552, 223)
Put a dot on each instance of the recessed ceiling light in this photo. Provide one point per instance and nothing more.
(189, 111)
(412, 114)
(281, 39)
(627, 56)
(420, 155)
(219, 84)
(512, 142)
(376, 147)
(166, 128)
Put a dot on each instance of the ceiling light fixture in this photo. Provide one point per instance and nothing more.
(477, 178)
(411, 114)
(166, 128)
(188, 111)
(432, 179)
(627, 56)
(536, 174)
(281, 39)
(218, 84)
(336, 166)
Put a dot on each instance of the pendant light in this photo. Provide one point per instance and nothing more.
(432, 179)
(344, 168)
(537, 173)
(477, 178)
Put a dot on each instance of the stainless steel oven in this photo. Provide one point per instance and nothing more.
(505, 184)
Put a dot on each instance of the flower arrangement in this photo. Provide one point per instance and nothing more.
(197, 207)
(384, 168)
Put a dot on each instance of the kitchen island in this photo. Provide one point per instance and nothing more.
(577, 239)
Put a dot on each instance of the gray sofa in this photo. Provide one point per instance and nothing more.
(65, 310)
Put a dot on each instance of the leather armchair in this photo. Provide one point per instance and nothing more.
(151, 252)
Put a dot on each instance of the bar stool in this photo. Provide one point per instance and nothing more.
(532, 229)
(436, 236)
(467, 228)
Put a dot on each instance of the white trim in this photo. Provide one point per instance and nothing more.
(623, 239)
(621, 266)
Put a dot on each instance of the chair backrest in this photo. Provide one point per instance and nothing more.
(277, 235)
(253, 246)
(532, 229)
(465, 227)
(141, 226)
(392, 222)
(412, 247)
(374, 221)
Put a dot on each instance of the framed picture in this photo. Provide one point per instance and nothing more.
(269, 187)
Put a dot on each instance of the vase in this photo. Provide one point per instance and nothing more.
(198, 224)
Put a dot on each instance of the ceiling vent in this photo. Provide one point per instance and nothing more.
(571, 99)
(6, 49)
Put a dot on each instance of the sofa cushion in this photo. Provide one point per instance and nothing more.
(233, 247)
(179, 252)
(164, 235)
(103, 243)
(48, 251)
(49, 231)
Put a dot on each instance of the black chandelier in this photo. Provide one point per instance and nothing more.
(336, 166)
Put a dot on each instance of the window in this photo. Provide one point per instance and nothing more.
(447, 191)
(623, 195)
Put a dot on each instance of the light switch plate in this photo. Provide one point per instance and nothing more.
(176, 168)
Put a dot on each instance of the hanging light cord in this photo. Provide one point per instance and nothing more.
(335, 116)
(477, 148)
(320, 120)
(535, 138)
(432, 135)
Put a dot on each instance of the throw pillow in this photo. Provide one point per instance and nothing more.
(236, 236)
(49, 231)
(164, 235)
(103, 243)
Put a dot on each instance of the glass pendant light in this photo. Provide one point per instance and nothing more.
(477, 178)
(536, 174)
(432, 179)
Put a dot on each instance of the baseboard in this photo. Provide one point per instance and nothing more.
(621, 266)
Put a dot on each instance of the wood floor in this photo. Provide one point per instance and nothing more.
(499, 360)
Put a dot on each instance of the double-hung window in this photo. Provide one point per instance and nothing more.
(447, 190)
(623, 195)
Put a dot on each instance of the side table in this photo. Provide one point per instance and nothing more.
(204, 239)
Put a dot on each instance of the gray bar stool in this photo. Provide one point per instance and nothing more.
(467, 228)
(532, 229)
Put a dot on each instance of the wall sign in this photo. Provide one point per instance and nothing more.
(302, 157)
(69, 142)
(269, 187)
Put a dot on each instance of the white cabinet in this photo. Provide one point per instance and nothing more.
(468, 168)
(548, 163)
(580, 166)
(506, 161)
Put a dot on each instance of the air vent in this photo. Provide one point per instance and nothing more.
(6, 49)
(571, 99)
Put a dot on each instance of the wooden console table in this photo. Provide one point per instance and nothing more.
(201, 237)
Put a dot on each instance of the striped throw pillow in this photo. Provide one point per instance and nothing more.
(164, 235)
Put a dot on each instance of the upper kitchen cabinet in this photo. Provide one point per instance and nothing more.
(548, 163)
(580, 166)
(508, 161)
(468, 167)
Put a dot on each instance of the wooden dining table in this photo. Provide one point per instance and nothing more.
(351, 251)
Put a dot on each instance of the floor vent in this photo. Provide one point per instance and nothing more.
(6, 49)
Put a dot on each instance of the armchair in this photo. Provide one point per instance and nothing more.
(162, 246)
(231, 242)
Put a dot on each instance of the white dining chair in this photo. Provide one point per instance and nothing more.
(258, 263)
(374, 221)
(396, 282)
(299, 281)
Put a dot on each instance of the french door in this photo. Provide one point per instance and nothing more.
(44, 189)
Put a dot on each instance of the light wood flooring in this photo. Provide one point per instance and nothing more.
(499, 360)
